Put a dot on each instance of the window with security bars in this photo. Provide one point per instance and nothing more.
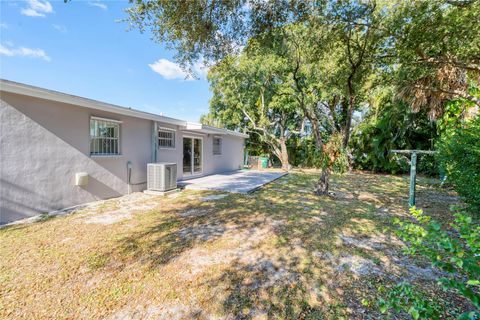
(104, 137)
(217, 146)
(166, 139)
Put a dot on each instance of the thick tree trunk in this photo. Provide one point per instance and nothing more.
(279, 147)
(321, 187)
(284, 155)
(316, 134)
(348, 122)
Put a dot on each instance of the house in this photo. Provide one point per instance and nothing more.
(47, 137)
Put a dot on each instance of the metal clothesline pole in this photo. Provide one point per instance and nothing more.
(413, 170)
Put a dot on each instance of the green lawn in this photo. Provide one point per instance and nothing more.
(279, 253)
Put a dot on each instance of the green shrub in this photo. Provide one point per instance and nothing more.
(428, 165)
(303, 153)
(455, 252)
(459, 154)
(405, 297)
(341, 164)
(393, 125)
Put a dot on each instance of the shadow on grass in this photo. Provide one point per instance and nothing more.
(301, 274)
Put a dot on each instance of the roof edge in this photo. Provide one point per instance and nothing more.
(47, 94)
(227, 131)
(193, 126)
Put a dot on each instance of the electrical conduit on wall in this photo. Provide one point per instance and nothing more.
(129, 178)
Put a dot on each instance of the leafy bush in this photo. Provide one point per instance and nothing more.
(303, 153)
(392, 125)
(404, 297)
(341, 164)
(456, 253)
(459, 154)
(428, 165)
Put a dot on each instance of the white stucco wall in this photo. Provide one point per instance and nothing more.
(44, 143)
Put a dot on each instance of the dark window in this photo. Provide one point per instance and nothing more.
(217, 146)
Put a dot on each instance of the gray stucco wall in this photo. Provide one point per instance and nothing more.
(172, 155)
(230, 159)
(44, 143)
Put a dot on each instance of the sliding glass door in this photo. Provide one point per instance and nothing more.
(187, 156)
(192, 156)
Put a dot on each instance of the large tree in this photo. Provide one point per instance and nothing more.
(248, 92)
(329, 64)
(289, 74)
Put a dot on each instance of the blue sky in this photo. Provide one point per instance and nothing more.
(80, 48)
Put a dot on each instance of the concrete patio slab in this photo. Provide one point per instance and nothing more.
(243, 181)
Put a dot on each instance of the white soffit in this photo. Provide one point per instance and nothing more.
(201, 128)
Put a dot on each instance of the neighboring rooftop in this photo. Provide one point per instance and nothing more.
(42, 93)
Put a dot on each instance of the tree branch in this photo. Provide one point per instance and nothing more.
(457, 93)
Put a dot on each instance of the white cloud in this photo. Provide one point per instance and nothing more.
(3, 25)
(171, 70)
(98, 5)
(37, 8)
(23, 52)
(60, 28)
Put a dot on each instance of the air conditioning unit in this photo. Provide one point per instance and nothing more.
(161, 176)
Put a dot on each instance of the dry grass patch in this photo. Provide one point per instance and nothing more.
(279, 253)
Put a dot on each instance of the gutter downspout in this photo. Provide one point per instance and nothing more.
(154, 141)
